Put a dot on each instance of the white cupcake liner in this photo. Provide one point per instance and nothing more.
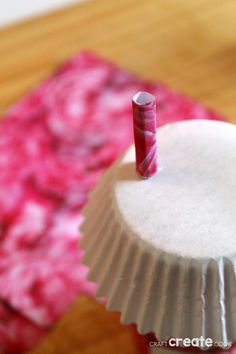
(162, 293)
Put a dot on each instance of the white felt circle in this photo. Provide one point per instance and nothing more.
(189, 207)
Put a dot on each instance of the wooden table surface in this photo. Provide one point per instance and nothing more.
(188, 44)
(87, 328)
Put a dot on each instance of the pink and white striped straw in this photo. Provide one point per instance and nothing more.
(144, 119)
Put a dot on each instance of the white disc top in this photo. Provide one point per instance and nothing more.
(189, 207)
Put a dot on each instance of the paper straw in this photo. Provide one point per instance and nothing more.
(144, 119)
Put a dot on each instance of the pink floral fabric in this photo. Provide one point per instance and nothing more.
(54, 143)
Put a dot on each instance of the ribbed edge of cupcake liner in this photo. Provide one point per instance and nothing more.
(162, 293)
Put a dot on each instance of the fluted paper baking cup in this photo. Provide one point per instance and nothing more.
(162, 292)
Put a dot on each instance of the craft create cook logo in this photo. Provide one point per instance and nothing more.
(200, 342)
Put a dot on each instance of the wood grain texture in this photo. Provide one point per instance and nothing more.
(88, 328)
(190, 45)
